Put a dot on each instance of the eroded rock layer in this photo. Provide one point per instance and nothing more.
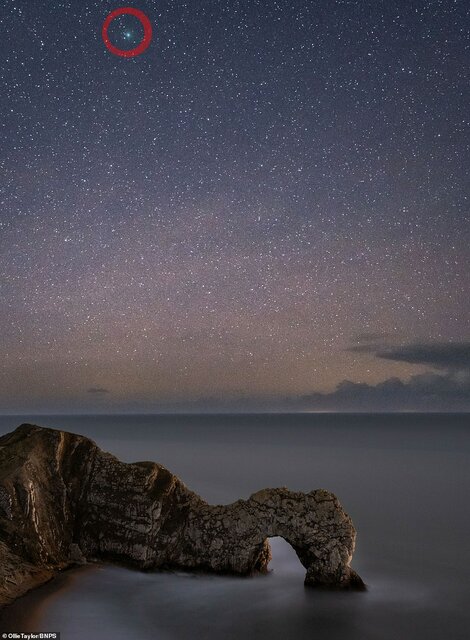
(63, 501)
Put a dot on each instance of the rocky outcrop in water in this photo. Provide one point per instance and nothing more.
(63, 501)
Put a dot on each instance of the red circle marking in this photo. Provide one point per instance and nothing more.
(140, 15)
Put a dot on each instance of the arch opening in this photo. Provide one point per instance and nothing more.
(284, 560)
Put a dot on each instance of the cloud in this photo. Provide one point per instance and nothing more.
(424, 392)
(448, 390)
(440, 355)
(451, 355)
(98, 390)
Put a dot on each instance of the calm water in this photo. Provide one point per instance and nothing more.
(404, 479)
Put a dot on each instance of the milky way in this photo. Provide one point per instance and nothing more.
(227, 217)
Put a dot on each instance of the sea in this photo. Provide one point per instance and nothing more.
(403, 478)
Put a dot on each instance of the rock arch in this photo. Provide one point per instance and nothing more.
(64, 501)
(314, 524)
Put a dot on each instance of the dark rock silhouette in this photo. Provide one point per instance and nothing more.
(63, 501)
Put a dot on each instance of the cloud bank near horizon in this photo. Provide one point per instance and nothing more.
(444, 386)
(447, 389)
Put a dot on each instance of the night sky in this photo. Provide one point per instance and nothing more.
(268, 209)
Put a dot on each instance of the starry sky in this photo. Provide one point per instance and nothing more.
(268, 209)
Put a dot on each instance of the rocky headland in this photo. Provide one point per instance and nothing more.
(64, 501)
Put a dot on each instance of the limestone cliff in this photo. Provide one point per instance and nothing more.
(63, 501)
